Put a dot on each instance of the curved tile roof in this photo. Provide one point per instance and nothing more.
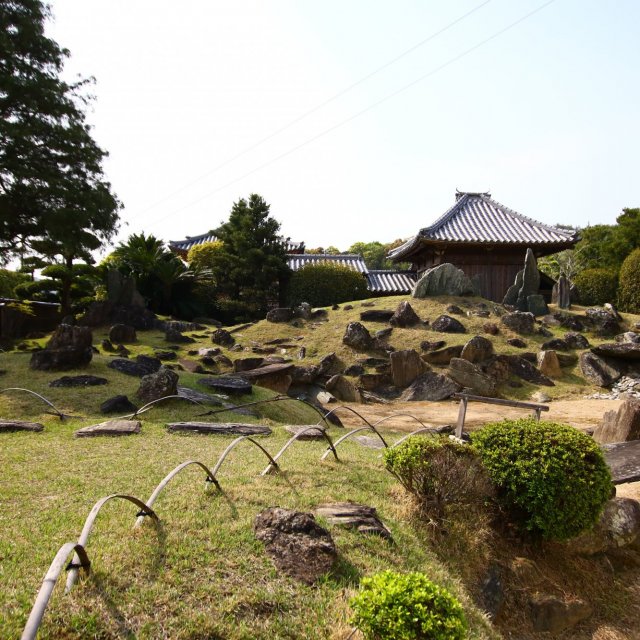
(351, 260)
(388, 281)
(192, 241)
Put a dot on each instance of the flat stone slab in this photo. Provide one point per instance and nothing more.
(226, 384)
(199, 396)
(19, 425)
(268, 370)
(78, 381)
(315, 432)
(221, 428)
(372, 442)
(110, 428)
(623, 459)
(354, 516)
(622, 350)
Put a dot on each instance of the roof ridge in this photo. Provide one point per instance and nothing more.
(446, 216)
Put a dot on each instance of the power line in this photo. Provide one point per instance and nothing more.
(305, 115)
(362, 112)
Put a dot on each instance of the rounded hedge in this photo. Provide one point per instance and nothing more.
(629, 291)
(325, 284)
(551, 478)
(406, 607)
(596, 286)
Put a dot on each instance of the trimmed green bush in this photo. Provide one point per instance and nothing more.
(551, 478)
(629, 292)
(439, 473)
(322, 285)
(406, 607)
(596, 286)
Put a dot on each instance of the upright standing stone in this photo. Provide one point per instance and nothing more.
(563, 295)
(530, 281)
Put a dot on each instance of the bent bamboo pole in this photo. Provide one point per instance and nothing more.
(354, 431)
(57, 412)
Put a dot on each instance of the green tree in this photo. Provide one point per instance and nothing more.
(374, 253)
(54, 200)
(252, 265)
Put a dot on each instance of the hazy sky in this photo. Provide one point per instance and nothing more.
(544, 115)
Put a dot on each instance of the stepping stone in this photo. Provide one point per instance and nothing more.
(19, 425)
(199, 396)
(315, 431)
(78, 381)
(373, 442)
(235, 386)
(354, 516)
(110, 428)
(221, 428)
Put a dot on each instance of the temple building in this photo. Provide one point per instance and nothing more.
(485, 239)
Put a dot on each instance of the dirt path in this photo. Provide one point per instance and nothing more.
(582, 414)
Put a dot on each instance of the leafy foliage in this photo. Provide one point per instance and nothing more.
(9, 280)
(322, 285)
(54, 200)
(252, 263)
(407, 607)
(629, 293)
(596, 286)
(551, 478)
(205, 256)
(439, 473)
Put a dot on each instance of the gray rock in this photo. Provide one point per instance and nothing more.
(78, 381)
(519, 321)
(272, 376)
(576, 340)
(511, 297)
(304, 375)
(370, 381)
(376, 315)
(618, 350)
(404, 316)
(470, 375)
(220, 428)
(246, 364)
(324, 397)
(600, 371)
(622, 425)
(199, 396)
(561, 294)
(176, 337)
(383, 333)
(443, 356)
(530, 282)
(160, 384)
(165, 355)
(307, 431)
(447, 324)
(430, 386)
(142, 366)
(427, 345)
(491, 328)
(492, 591)
(629, 336)
(69, 348)
(122, 334)
(118, 404)
(297, 544)
(354, 370)
(223, 338)
(537, 305)
(7, 426)
(527, 371)
(281, 314)
(477, 349)
(110, 428)
(358, 337)
(343, 389)
(406, 366)
(551, 614)
(329, 365)
(360, 517)
(303, 311)
(517, 342)
(556, 344)
(445, 280)
(191, 366)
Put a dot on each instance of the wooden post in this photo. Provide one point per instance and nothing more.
(461, 416)
(536, 413)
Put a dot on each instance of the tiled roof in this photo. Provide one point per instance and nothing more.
(192, 241)
(350, 260)
(391, 281)
(477, 218)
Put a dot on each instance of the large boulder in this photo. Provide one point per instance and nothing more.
(246, 364)
(142, 366)
(122, 334)
(280, 314)
(357, 337)
(524, 369)
(443, 356)
(160, 384)
(223, 338)
(376, 315)
(304, 375)
(601, 371)
(530, 284)
(404, 316)
(430, 386)
(619, 350)
(477, 349)
(470, 375)
(576, 340)
(445, 280)
(406, 366)
(622, 425)
(519, 321)
(69, 348)
(549, 364)
(271, 376)
(447, 324)
(297, 544)
(343, 389)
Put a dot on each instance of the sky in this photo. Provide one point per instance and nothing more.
(357, 120)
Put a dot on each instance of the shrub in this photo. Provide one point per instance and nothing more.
(322, 285)
(236, 311)
(407, 606)
(596, 286)
(439, 473)
(551, 478)
(629, 293)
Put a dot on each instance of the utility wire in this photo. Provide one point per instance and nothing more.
(388, 97)
(316, 108)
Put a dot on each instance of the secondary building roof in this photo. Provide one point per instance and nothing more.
(476, 218)
(182, 246)
(353, 261)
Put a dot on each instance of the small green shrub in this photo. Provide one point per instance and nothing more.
(596, 286)
(322, 285)
(440, 473)
(629, 292)
(406, 607)
(551, 478)
(236, 311)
